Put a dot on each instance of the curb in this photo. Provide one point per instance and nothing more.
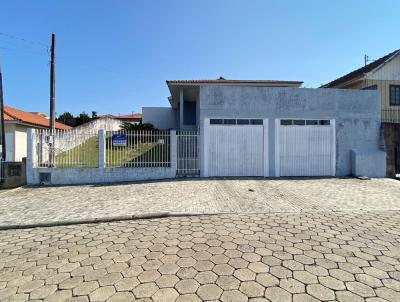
(158, 215)
(99, 220)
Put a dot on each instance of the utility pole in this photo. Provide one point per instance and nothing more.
(3, 141)
(52, 100)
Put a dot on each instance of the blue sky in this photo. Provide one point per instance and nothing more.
(114, 56)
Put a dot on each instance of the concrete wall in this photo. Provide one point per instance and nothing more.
(162, 118)
(68, 176)
(14, 174)
(357, 114)
(363, 163)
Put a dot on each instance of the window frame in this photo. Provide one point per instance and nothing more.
(396, 102)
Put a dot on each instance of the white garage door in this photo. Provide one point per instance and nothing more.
(236, 149)
(306, 147)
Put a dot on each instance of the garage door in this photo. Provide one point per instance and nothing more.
(306, 147)
(235, 147)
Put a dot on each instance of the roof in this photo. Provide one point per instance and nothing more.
(16, 115)
(361, 71)
(223, 81)
(122, 117)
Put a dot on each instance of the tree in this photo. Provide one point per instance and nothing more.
(82, 118)
(128, 126)
(66, 118)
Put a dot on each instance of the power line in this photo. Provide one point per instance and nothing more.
(24, 50)
(23, 39)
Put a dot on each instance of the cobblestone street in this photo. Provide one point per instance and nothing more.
(329, 256)
(49, 204)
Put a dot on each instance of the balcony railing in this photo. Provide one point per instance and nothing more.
(391, 115)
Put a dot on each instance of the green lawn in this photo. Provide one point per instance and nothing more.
(86, 155)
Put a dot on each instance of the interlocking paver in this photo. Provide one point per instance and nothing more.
(209, 292)
(212, 196)
(273, 256)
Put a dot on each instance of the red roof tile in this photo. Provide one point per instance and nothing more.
(12, 114)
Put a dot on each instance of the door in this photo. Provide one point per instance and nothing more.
(236, 149)
(306, 147)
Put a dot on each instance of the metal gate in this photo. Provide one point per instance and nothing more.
(307, 149)
(188, 163)
(236, 150)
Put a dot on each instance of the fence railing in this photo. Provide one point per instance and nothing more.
(390, 115)
(72, 149)
(188, 162)
(138, 149)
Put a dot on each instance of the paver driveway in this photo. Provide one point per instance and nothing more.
(327, 256)
(47, 204)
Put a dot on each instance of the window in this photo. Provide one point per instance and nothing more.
(229, 122)
(324, 122)
(394, 95)
(299, 122)
(256, 122)
(286, 122)
(215, 121)
(242, 122)
(311, 122)
(372, 87)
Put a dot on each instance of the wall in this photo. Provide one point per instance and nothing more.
(68, 176)
(14, 174)
(357, 114)
(162, 118)
(20, 142)
(9, 130)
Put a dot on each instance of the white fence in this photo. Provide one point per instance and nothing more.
(111, 156)
(120, 149)
(135, 149)
(71, 148)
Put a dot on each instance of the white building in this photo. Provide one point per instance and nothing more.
(16, 124)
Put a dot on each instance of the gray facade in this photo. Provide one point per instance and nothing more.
(163, 118)
(356, 114)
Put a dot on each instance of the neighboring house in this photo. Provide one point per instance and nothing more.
(274, 128)
(382, 75)
(134, 118)
(16, 124)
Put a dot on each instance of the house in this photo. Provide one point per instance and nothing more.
(16, 124)
(275, 128)
(382, 75)
(133, 118)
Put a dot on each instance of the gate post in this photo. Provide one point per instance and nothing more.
(102, 149)
(31, 148)
(173, 152)
(265, 148)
